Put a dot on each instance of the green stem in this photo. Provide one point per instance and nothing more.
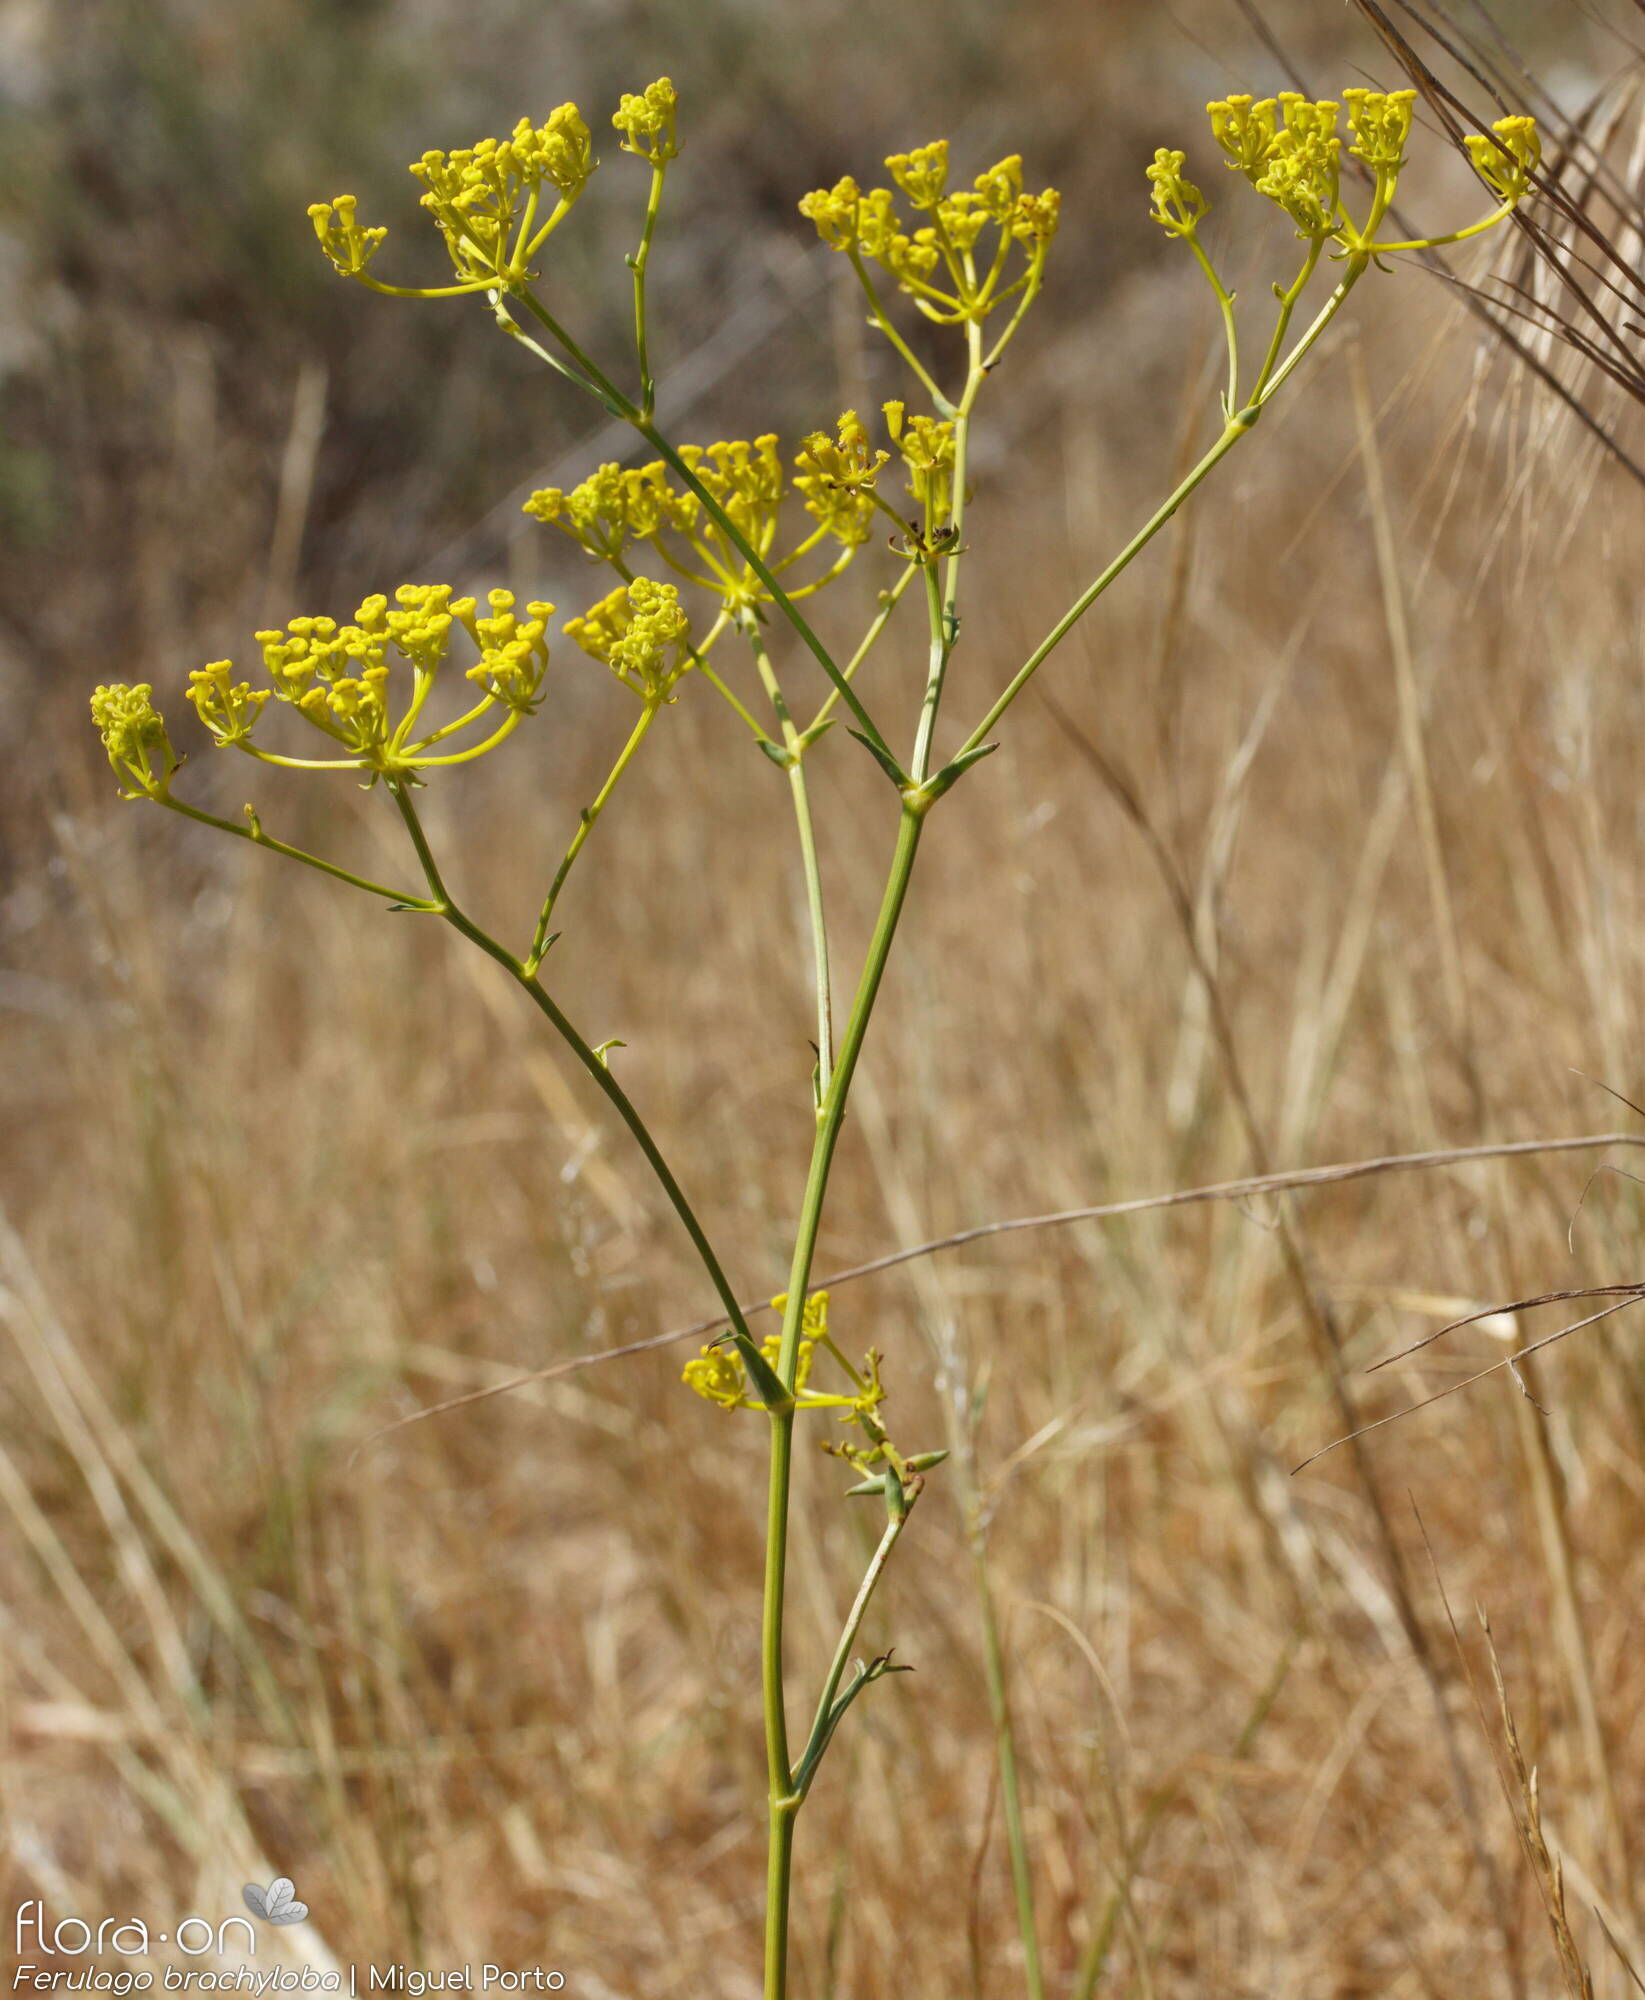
(819, 921)
(637, 264)
(1231, 435)
(1357, 267)
(1230, 325)
(882, 320)
(584, 1052)
(943, 608)
(597, 382)
(1287, 306)
(889, 602)
(590, 814)
(255, 834)
(801, 798)
(817, 1742)
(515, 331)
(1236, 428)
(782, 1806)
(830, 1117)
(1005, 1746)
(1439, 242)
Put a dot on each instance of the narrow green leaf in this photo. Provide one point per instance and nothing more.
(887, 763)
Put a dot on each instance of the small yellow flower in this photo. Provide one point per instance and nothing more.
(927, 448)
(1034, 217)
(836, 476)
(998, 188)
(837, 213)
(1244, 129)
(1381, 123)
(716, 1374)
(1178, 204)
(747, 480)
(228, 708)
(349, 247)
(647, 122)
(922, 174)
(1303, 164)
(513, 651)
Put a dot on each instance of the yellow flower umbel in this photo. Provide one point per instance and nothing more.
(641, 634)
(1507, 161)
(616, 507)
(1289, 149)
(135, 738)
(497, 202)
(365, 686)
(941, 263)
(647, 122)
(926, 445)
(1178, 204)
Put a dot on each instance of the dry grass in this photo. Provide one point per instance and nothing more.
(279, 1170)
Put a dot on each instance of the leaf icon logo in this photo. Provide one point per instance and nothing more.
(277, 1904)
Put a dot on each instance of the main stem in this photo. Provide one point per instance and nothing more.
(783, 1805)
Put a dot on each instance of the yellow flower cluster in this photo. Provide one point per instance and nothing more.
(639, 632)
(647, 122)
(617, 506)
(342, 679)
(476, 194)
(349, 247)
(134, 736)
(719, 1375)
(488, 199)
(1506, 162)
(937, 263)
(1380, 122)
(836, 474)
(1178, 204)
(1289, 149)
(927, 448)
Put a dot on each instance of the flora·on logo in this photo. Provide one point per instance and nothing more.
(277, 1904)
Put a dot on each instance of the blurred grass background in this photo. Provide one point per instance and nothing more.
(278, 1171)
